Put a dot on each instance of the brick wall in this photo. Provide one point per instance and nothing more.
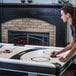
(29, 25)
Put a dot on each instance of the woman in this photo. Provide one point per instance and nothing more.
(68, 14)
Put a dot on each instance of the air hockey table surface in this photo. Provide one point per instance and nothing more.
(36, 59)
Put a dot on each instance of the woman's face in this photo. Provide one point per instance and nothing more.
(63, 16)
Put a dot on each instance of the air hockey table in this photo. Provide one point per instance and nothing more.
(34, 60)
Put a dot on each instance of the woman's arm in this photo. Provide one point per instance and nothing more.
(72, 51)
(67, 47)
(54, 53)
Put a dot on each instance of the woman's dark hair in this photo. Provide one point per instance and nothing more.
(71, 10)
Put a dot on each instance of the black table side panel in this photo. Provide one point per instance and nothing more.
(27, 68)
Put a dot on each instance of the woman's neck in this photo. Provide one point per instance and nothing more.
(70, 21)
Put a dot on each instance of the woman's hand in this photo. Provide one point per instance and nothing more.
(62, 59)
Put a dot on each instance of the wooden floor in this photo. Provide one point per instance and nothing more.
(69, 73)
